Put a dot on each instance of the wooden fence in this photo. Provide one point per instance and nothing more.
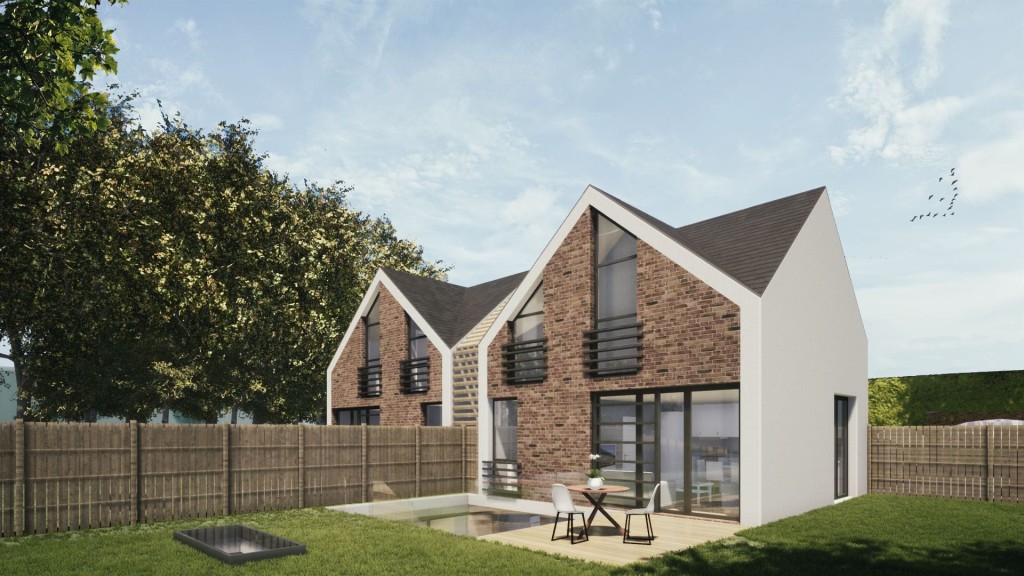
(966, 462)
(56, 477)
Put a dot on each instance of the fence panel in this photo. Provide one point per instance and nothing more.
(964, 462)
(7, 479)
(333, 465)
(76, 476)
(56, 477)
(391, 462)
(179, 471)
(264, 468)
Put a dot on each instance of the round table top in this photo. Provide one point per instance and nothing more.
(607, 488)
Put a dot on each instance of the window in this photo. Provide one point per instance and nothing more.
(842, 440)
(415, 372)
(505, 429)
(357, 416)
(686, 439)
(525, 358)
(432, 414)
(369, 375)
(614, 347)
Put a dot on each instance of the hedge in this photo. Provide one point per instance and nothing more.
(945, 398)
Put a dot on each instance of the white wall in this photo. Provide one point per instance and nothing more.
(813, 348)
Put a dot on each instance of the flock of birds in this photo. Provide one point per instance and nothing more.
(951, 195)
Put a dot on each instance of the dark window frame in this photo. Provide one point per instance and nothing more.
(414, 373)
(357, 416)
(369, 376)
(525, 361)
(841, 437)
(613, 347)
(425, 407)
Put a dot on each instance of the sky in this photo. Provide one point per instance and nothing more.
(475, 126)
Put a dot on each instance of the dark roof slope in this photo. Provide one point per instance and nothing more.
(452, 310)
(749, 244)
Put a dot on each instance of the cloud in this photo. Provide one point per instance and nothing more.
(190, 29)
(996, 168)
(887, 87)
(651, 7)
(265, 122)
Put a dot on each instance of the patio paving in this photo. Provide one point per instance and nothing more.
(672, 532)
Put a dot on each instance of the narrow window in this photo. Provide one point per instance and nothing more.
(526, 356)
(432, 414)
(613, 347)
(369, 375)
(415, 376)
(505, 430)
(842, 440)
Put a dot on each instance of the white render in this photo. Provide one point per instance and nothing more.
(814, 348)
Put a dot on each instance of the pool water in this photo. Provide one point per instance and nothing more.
(472, 520)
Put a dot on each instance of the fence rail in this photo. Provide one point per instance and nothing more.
(966, 462)
(57, 477)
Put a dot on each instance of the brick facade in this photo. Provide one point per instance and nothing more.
(690, 337)
(396, 408)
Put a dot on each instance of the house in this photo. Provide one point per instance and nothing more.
(725, 360)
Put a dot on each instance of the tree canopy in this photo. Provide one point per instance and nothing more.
(173, 269)
(49, 52)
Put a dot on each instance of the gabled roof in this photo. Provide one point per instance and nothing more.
(749, 244)
(452, 310)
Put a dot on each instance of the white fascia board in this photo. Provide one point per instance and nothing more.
(363, 310)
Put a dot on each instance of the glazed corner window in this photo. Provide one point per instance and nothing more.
(415, 371)
(369, 375)
(842, 443)
(525, 358)
(357, 416)
(613, 347)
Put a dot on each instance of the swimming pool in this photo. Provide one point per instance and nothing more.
(455, 516)
(474, 520)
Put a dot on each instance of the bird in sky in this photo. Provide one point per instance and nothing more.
(940, 178)
(941, 199)
(953, 182)
(930, 197)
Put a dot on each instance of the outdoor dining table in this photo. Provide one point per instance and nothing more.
(596, 497)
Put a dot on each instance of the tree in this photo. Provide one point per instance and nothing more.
(49, 51)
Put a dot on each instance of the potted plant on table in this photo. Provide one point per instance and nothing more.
(595, 481)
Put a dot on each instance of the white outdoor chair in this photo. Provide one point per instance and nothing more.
(564, 505)
(646, 512)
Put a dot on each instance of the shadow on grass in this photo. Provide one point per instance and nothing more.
(739, 556)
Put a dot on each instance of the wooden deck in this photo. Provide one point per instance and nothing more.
(672, 532)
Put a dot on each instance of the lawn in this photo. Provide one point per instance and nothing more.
(867, 535)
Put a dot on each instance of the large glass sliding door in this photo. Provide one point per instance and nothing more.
(686, 440)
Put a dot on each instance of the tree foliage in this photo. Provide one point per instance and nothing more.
(945, 398)
(49, 51)
(174, 269)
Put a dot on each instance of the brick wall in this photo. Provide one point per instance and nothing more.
(691, 337)
(396, 408)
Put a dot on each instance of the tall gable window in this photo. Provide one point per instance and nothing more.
(369, 375)
(415, 372)
(525, 357)
(613, 347)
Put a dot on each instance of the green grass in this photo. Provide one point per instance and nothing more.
(874, 534)
(867, 535)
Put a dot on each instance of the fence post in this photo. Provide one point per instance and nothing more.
(19, 477)
(225, 480)
(302, 467)
(133, 473)
(364, 462)
(418, 461)
(988, 462)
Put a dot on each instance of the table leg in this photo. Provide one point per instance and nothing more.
(599, 508)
